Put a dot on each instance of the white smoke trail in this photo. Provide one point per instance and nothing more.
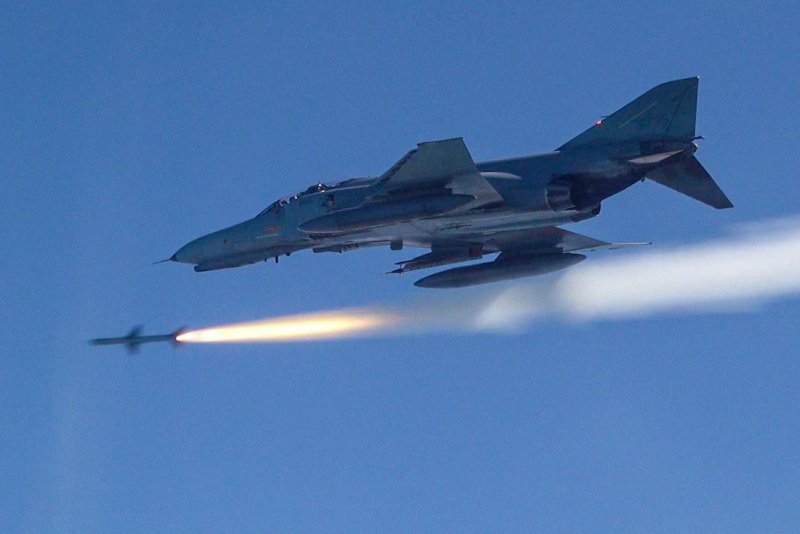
(750, 267)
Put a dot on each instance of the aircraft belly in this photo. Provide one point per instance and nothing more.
(423, 232)
(492, 221)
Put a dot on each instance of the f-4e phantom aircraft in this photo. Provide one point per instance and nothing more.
(436, 197)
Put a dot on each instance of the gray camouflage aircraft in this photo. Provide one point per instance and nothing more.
(436, 197)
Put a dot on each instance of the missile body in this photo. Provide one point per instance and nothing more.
(383, 213)
(134, 339)
(503, 268)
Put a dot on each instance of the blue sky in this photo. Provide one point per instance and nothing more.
(128, 130)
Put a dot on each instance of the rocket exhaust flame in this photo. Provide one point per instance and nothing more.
(750, 267)
(326, 325)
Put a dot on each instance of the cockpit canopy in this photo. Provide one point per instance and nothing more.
(319, 188)
(281, 202)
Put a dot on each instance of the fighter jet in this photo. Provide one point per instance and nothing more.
(134, 339)
(437, 198)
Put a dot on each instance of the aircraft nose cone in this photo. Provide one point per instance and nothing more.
(203, 249)
(188, 253)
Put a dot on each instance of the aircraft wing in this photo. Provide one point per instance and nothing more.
(548, 239)
(545, 240)
(446, 163)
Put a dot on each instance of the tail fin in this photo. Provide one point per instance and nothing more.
(135, 332)
(665, 112)
(690, 178)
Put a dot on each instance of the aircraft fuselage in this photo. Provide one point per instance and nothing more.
(541, 190)
(437, 197)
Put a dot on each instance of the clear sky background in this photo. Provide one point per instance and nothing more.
(127, 130)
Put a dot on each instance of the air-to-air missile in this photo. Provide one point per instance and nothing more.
(134, 339)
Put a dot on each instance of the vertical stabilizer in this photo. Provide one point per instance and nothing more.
(665, 112)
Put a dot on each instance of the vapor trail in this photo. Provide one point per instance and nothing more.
(758, 263)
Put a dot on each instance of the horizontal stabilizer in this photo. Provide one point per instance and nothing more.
(690, 178)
